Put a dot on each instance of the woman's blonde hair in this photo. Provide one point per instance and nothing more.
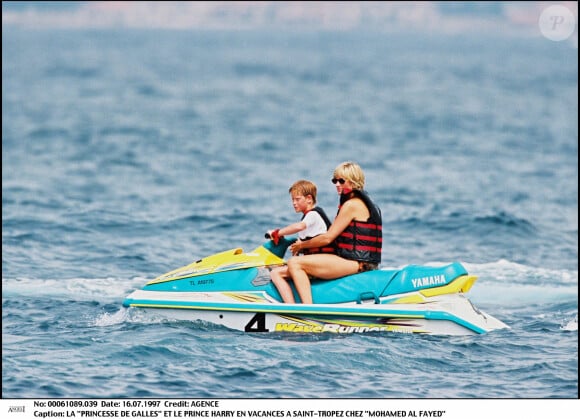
(352, 172)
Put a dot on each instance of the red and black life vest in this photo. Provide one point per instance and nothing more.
(361, 240)
(329, 248)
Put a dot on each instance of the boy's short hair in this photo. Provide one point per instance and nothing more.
(304, 188)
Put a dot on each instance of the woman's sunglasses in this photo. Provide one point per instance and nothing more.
(341, 181)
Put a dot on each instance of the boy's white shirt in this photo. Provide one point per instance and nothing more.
(315, 225)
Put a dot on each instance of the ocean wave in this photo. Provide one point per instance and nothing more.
(571, 325)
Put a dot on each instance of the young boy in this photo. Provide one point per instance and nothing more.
(313, 222)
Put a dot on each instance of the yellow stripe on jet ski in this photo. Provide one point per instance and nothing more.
(250, 298)
(222, 262)
(460, 284)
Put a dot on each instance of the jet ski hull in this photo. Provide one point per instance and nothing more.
(451, 314)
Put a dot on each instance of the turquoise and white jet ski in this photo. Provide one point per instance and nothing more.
(233, 289)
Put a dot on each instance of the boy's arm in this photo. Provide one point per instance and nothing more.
(289, 229)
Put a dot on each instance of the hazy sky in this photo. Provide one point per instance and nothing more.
(513, 18)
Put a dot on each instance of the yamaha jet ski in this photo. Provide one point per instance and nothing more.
(233, 289)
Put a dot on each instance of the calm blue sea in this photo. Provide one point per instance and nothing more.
(127, 153)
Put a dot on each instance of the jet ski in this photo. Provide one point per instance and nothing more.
(233, 289)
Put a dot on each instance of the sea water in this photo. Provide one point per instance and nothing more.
(126, 154)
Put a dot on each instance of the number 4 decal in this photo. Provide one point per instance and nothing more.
(257, 323)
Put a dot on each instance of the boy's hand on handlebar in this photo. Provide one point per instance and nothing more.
(274, 236)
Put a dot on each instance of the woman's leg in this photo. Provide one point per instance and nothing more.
(280, 278)
(323, 266)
